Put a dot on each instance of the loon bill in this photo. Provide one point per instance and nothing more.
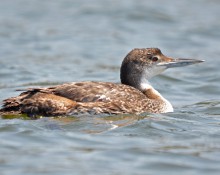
(134, 95)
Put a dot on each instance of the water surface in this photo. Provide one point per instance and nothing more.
(46, 43)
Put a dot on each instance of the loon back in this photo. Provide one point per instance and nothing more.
(85, 97)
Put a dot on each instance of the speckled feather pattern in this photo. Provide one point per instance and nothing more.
(83, 97)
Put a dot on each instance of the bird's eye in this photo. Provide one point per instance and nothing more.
(154, 59)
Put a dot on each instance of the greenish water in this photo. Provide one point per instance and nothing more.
(46, 43)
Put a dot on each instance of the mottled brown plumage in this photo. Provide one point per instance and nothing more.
(134, 95)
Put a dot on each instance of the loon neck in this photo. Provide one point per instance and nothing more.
(135, 76)
(132, 74)
(139, 80)
(144, 86)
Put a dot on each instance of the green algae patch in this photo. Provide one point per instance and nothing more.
(19, 116)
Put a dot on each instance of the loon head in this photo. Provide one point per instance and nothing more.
(142, 64)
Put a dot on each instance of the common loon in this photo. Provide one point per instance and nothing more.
(134, 95)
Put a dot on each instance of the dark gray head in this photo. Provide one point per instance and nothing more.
(142, 64)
